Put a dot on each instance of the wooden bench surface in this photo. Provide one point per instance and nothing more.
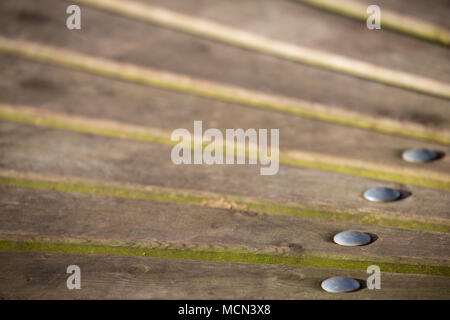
(86, 176)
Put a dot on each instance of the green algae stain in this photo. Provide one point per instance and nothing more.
(190, 197)
(237, 256)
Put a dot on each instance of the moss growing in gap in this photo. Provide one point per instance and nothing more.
(159, 194)
(237, 256)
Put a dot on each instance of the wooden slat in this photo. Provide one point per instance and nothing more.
(232, 35)
(44, 86)
(152, 77)
(43, 275)
(325, 88)
(68, 153)
(30, 213)
(406, 16)
(436, 13)
(304, 26)
(215, 200)
(399, 174)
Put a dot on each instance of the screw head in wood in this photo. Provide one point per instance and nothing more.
(352, 238)
(340, 284)
(419, 155)
(381, 194)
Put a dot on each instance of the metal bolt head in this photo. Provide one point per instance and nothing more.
(381, 194)
(419, 155)
(352, 238)
(340, 284)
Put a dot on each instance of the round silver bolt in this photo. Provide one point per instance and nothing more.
(340, 284)
(352, 238)
(381, 194)
(419, 155)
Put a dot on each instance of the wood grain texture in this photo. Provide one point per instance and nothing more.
(435, 11)
(397, 20)
(51, 151)
(339, 164)
(293, 22)
(46, 87)
(240, 38)
(60, 215)
(220, 91)
(110, 200)
(43, 276)
(245, 69)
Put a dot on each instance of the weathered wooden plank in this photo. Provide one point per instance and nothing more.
(380, 159)
(400, 16)
(298, 24)
(215, 200)
(302, 54)
(435, 11)
(43, 275)
(400, 174)
(163, 79)
(244, 68)
(60, 215)
(64, 153)
(74, 93)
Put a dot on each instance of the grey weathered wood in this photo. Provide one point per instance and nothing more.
(59, 216)
(52, 88)
(435, 11)
(297, 23)
(29, 213)
(122, 39)
(43, 276)
(59, 152)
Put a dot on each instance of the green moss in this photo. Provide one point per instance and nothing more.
(364, 218)
(305, 260)
(18, 115)
(368, 173)
(196, 198)
(105, 190)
